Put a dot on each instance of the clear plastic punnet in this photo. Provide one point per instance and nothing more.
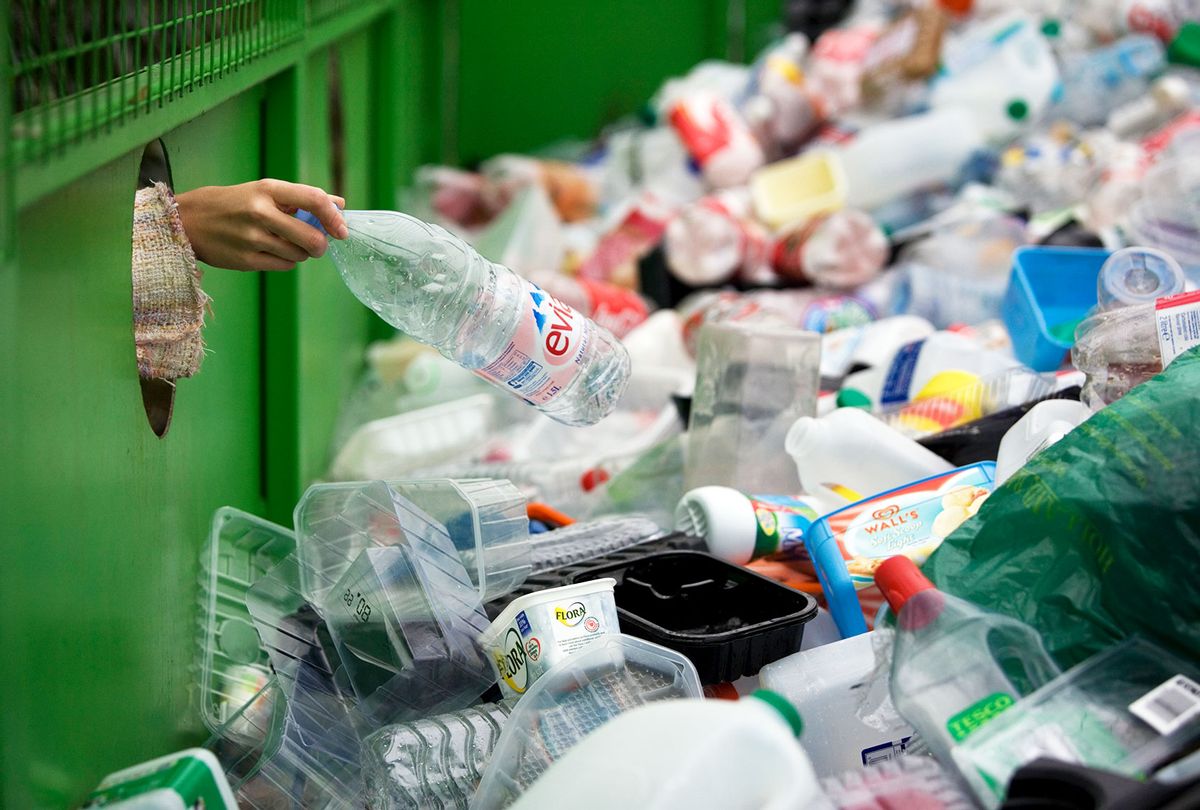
(404, 620)
(241, 549)
(281, 753)
(484, 520)
(574, 698)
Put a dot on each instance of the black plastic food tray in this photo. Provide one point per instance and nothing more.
(728, 620)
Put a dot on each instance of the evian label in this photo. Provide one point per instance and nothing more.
(546, 351)
(1178, 322)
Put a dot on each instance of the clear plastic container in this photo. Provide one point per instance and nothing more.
(402, 444)
(433, 762)
(974, 397)
(485, 521)
(404, 620)
(752, 383)
(280, 753)
(241, 549)
(573, 699)
(1107, 713)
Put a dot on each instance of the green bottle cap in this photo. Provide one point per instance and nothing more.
(782, 705)
(1185, 48)
(1018, 109)
(1051, 27)
(853, 398)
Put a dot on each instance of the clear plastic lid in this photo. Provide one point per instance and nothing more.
(1137, 275)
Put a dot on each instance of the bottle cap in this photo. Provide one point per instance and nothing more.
(959, 7)
(724, 518)
(1051, 27)
(1185, 47)
(1017, 109)
(899, 579)
(782, 705)
(853, 398)
(309, 218)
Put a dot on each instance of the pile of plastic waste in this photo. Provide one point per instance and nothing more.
(824, 436)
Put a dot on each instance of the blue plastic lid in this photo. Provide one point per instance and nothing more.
(309, 218)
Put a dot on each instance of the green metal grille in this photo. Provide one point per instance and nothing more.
(80, 67)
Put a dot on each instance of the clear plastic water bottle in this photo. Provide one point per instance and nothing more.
(431, 285)
(434, 762)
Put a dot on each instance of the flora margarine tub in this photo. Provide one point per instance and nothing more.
(540, 629)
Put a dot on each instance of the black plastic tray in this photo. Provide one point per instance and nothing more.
(728, 620)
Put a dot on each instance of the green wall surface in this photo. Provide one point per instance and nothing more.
(103, 522)
(529, 72)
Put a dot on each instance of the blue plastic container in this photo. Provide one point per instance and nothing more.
(1050, 286)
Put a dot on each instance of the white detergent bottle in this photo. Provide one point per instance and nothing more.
(690, 754)
(1045, 424)
(851, 448)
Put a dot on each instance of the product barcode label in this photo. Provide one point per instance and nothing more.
(1170, 705)
(1178, 319)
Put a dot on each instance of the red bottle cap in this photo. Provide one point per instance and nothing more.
(899, 579)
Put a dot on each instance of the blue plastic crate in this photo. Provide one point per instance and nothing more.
(1050, 286)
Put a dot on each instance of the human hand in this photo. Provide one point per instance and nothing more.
(251, 227)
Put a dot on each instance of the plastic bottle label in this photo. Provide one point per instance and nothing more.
(834, 312)
(900, 374)
(782, 523)
(546, 351)
(1170, 705)
(975, 716)
(1178, 319)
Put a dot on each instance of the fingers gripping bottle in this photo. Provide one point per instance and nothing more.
(431, 285)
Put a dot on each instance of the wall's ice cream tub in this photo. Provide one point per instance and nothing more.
(847, 546)
(540, 629)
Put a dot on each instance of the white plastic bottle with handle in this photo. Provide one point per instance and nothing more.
(431, 285)
(690, 754)
(851, 448)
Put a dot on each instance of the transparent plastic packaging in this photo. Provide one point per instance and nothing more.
(433, 762)
(1137, 275)
(1109, 713)
(434, 287)
(483, 519)
(841, 691)
(752, 384)
(588, 540)
(241, 549)
(1117, 350)
(573, 699)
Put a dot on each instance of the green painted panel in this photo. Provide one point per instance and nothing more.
(333, 325)
(104, 521)
(533, 71)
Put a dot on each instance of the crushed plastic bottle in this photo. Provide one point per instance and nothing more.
(434, 762)
(433, 286)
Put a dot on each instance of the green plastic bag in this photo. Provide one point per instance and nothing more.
(1097, 537)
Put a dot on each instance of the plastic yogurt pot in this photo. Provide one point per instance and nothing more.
(538, 630)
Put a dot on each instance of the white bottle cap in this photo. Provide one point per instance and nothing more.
(724, 518)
